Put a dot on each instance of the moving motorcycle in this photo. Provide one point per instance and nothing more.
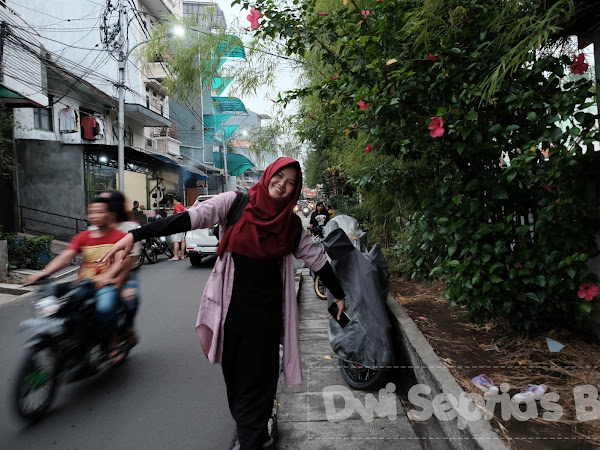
(66, 346)
(155, 246)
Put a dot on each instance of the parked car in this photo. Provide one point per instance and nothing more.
(201, 243)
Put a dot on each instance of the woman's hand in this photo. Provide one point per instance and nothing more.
(125, 245)
(341, 304)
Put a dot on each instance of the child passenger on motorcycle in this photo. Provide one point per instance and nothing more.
(91, 245)
(125, 279)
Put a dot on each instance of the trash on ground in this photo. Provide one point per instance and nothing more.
(530, 392)
(485, 383)
(554, 346)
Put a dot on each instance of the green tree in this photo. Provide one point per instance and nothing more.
(7, 161)
(489, 77)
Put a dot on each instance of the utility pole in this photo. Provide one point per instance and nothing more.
(225, 157)
(121, 88)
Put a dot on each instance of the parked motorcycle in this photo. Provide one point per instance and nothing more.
(155, 246)
(138, 261)
(65, 346)
(364, 346)
(320, 288)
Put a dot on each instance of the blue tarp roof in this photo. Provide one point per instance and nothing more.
(236, 163)
(232, 47)
(229, 104)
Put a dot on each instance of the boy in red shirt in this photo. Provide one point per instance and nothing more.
(92, 244)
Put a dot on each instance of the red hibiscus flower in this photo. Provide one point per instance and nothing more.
(588, 291)
(368, 148)
(579, 65)
(365, 13)
(253, 18)
(432, 57)
(437, 127)
(360, 23)
(362, 105)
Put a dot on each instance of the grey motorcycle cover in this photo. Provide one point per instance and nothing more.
(367, 339)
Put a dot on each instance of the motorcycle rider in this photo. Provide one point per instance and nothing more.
(91, 244)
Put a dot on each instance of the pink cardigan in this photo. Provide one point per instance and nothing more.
(217, 293)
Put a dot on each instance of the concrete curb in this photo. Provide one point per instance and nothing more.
(431, 371)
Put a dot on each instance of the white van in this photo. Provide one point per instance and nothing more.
(203, 242)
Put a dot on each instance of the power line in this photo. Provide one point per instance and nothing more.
(50, 15)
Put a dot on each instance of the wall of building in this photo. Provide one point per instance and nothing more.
(51, 179)
(22, 70)
(135, 189)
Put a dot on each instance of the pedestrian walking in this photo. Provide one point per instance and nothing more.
(249, 304)
(178, 239)
(319, 219)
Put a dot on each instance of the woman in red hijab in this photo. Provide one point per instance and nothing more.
(249, 304)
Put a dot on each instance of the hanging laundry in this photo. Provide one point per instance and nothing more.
(101, 123)
(88, 127)
(67, 120)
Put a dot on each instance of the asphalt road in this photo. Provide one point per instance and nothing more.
(165, 396)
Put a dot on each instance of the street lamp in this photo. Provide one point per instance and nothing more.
(178, 30)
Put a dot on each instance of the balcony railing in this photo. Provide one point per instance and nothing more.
(156, 71)
(165, 131)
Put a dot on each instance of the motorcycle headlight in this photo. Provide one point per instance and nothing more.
(47, 306)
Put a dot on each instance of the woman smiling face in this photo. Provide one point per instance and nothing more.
(283, 183)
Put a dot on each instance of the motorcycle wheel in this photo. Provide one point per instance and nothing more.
(151, 256)
(169, 252)
(138, 261)
(320, 288)
(362, 378)
(36, 382)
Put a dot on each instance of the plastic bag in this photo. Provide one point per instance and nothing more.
(350, 226)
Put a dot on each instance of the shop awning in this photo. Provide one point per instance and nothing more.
(229, 105)
(220, 84)
(231, 47)
(13, 99)
(139, 160)
(236, 163)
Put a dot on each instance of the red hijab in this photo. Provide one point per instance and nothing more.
(267, 228)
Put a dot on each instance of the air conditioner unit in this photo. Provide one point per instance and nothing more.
(153, 143)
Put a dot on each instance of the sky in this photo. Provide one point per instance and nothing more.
(260, 103)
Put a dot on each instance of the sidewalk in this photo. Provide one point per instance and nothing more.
(301, 414)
